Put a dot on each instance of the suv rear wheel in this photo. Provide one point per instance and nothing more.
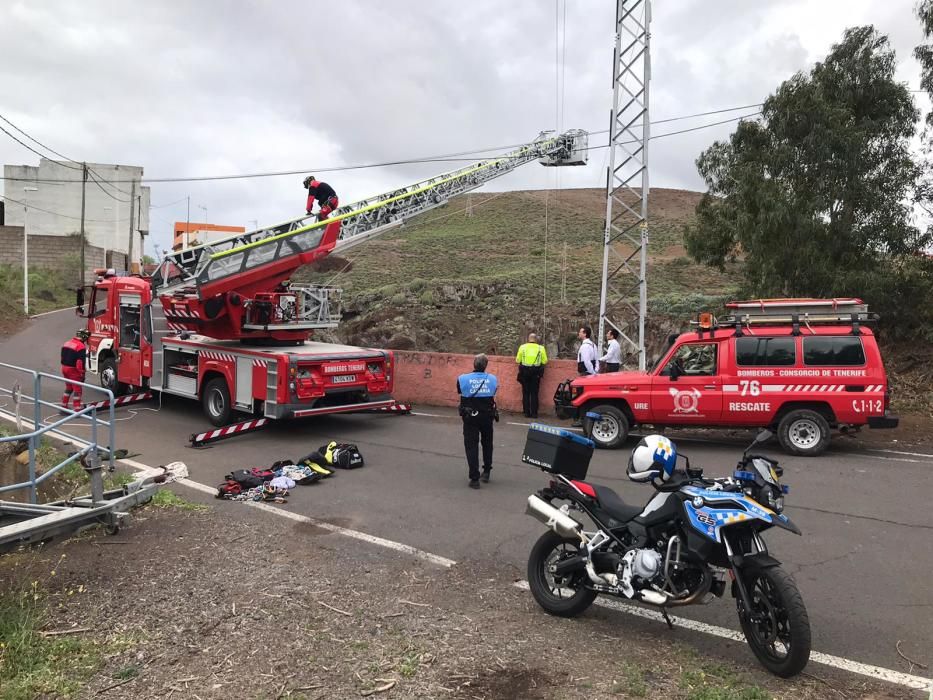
(804, 432)
(612, 429)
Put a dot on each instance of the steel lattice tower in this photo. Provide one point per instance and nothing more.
(626, 234)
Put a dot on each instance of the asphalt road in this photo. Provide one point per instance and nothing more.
(863, 565)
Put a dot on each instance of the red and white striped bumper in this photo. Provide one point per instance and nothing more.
(198, 439)
(122, 400)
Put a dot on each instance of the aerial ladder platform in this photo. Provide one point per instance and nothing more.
(222, 323)
(222, 289)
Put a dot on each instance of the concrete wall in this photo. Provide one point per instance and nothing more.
(55, 253)
(430, 378)
(55, 208)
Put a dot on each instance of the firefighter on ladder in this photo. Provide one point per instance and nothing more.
(325, 195)
(74, 358)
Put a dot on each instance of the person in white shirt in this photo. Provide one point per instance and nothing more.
(586, 355)
(587, 364)
(613, 356)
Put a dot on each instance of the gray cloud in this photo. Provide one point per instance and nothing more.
(210, 88)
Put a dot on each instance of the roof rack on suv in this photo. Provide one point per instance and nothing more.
(838, 311)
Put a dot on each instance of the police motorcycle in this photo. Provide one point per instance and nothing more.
(679, 549)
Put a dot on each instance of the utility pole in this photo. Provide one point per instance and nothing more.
(139, 225)
(627, 178)
(83, 272)
(187, 237)
(26, 191)
(129, 253)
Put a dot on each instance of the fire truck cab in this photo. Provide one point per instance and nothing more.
(120, 321)
(801, 367)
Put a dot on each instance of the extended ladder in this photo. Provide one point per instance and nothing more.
(189, 270)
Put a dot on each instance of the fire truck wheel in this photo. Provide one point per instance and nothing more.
(216, 401)
(804, 432)
(108, 377)
(612, 429)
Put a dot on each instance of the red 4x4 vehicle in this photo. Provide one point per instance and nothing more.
(798, 366)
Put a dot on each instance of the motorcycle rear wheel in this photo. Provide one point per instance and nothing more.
(778, 630)
(565, 596)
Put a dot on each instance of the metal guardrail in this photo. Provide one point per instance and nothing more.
(40, 429)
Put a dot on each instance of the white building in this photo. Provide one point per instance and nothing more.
(55, 205)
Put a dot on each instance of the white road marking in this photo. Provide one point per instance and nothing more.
(355, 534)
(145, 470)
(892, 459)
(928, 455)
(431, 415)
(56, 311)
(877, 672)
(720, 443)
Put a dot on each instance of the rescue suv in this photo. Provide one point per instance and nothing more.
(801, 367)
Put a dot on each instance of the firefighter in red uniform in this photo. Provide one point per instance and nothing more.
(74, 357)
(325, 195)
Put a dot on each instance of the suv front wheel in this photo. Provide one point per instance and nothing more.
(611, 430)
(804, 432)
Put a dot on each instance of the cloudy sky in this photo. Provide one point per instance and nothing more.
(186, 89)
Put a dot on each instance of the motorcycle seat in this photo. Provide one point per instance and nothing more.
(613, 504)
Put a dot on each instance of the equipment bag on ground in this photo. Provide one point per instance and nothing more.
(315, 462)
(245, 478)
(342, 455)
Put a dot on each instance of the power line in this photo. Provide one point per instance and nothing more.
(589, 148)
(704, 114)
(30, 148)
(34, 140)
(704, 126)
(162, 206)
(557, 65)
(105, 181)
(64, 216)
(563, 66)
(451, 157)
(77, 165)
(100, 187)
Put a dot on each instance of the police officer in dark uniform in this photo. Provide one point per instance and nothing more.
(477, 391)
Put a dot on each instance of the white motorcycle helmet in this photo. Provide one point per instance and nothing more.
(653, 459)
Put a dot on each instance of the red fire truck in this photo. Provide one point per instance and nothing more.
(799, 366)
(222, 324)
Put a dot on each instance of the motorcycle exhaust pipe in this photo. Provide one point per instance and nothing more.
(652, 597)
(566, 567)
(557, 520)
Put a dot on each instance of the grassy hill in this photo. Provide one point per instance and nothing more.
(48, 290)
(452, 282)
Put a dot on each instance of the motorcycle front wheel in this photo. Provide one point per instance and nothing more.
(565, 596)
(777, 627)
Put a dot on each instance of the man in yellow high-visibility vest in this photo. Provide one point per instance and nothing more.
(531, 359)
